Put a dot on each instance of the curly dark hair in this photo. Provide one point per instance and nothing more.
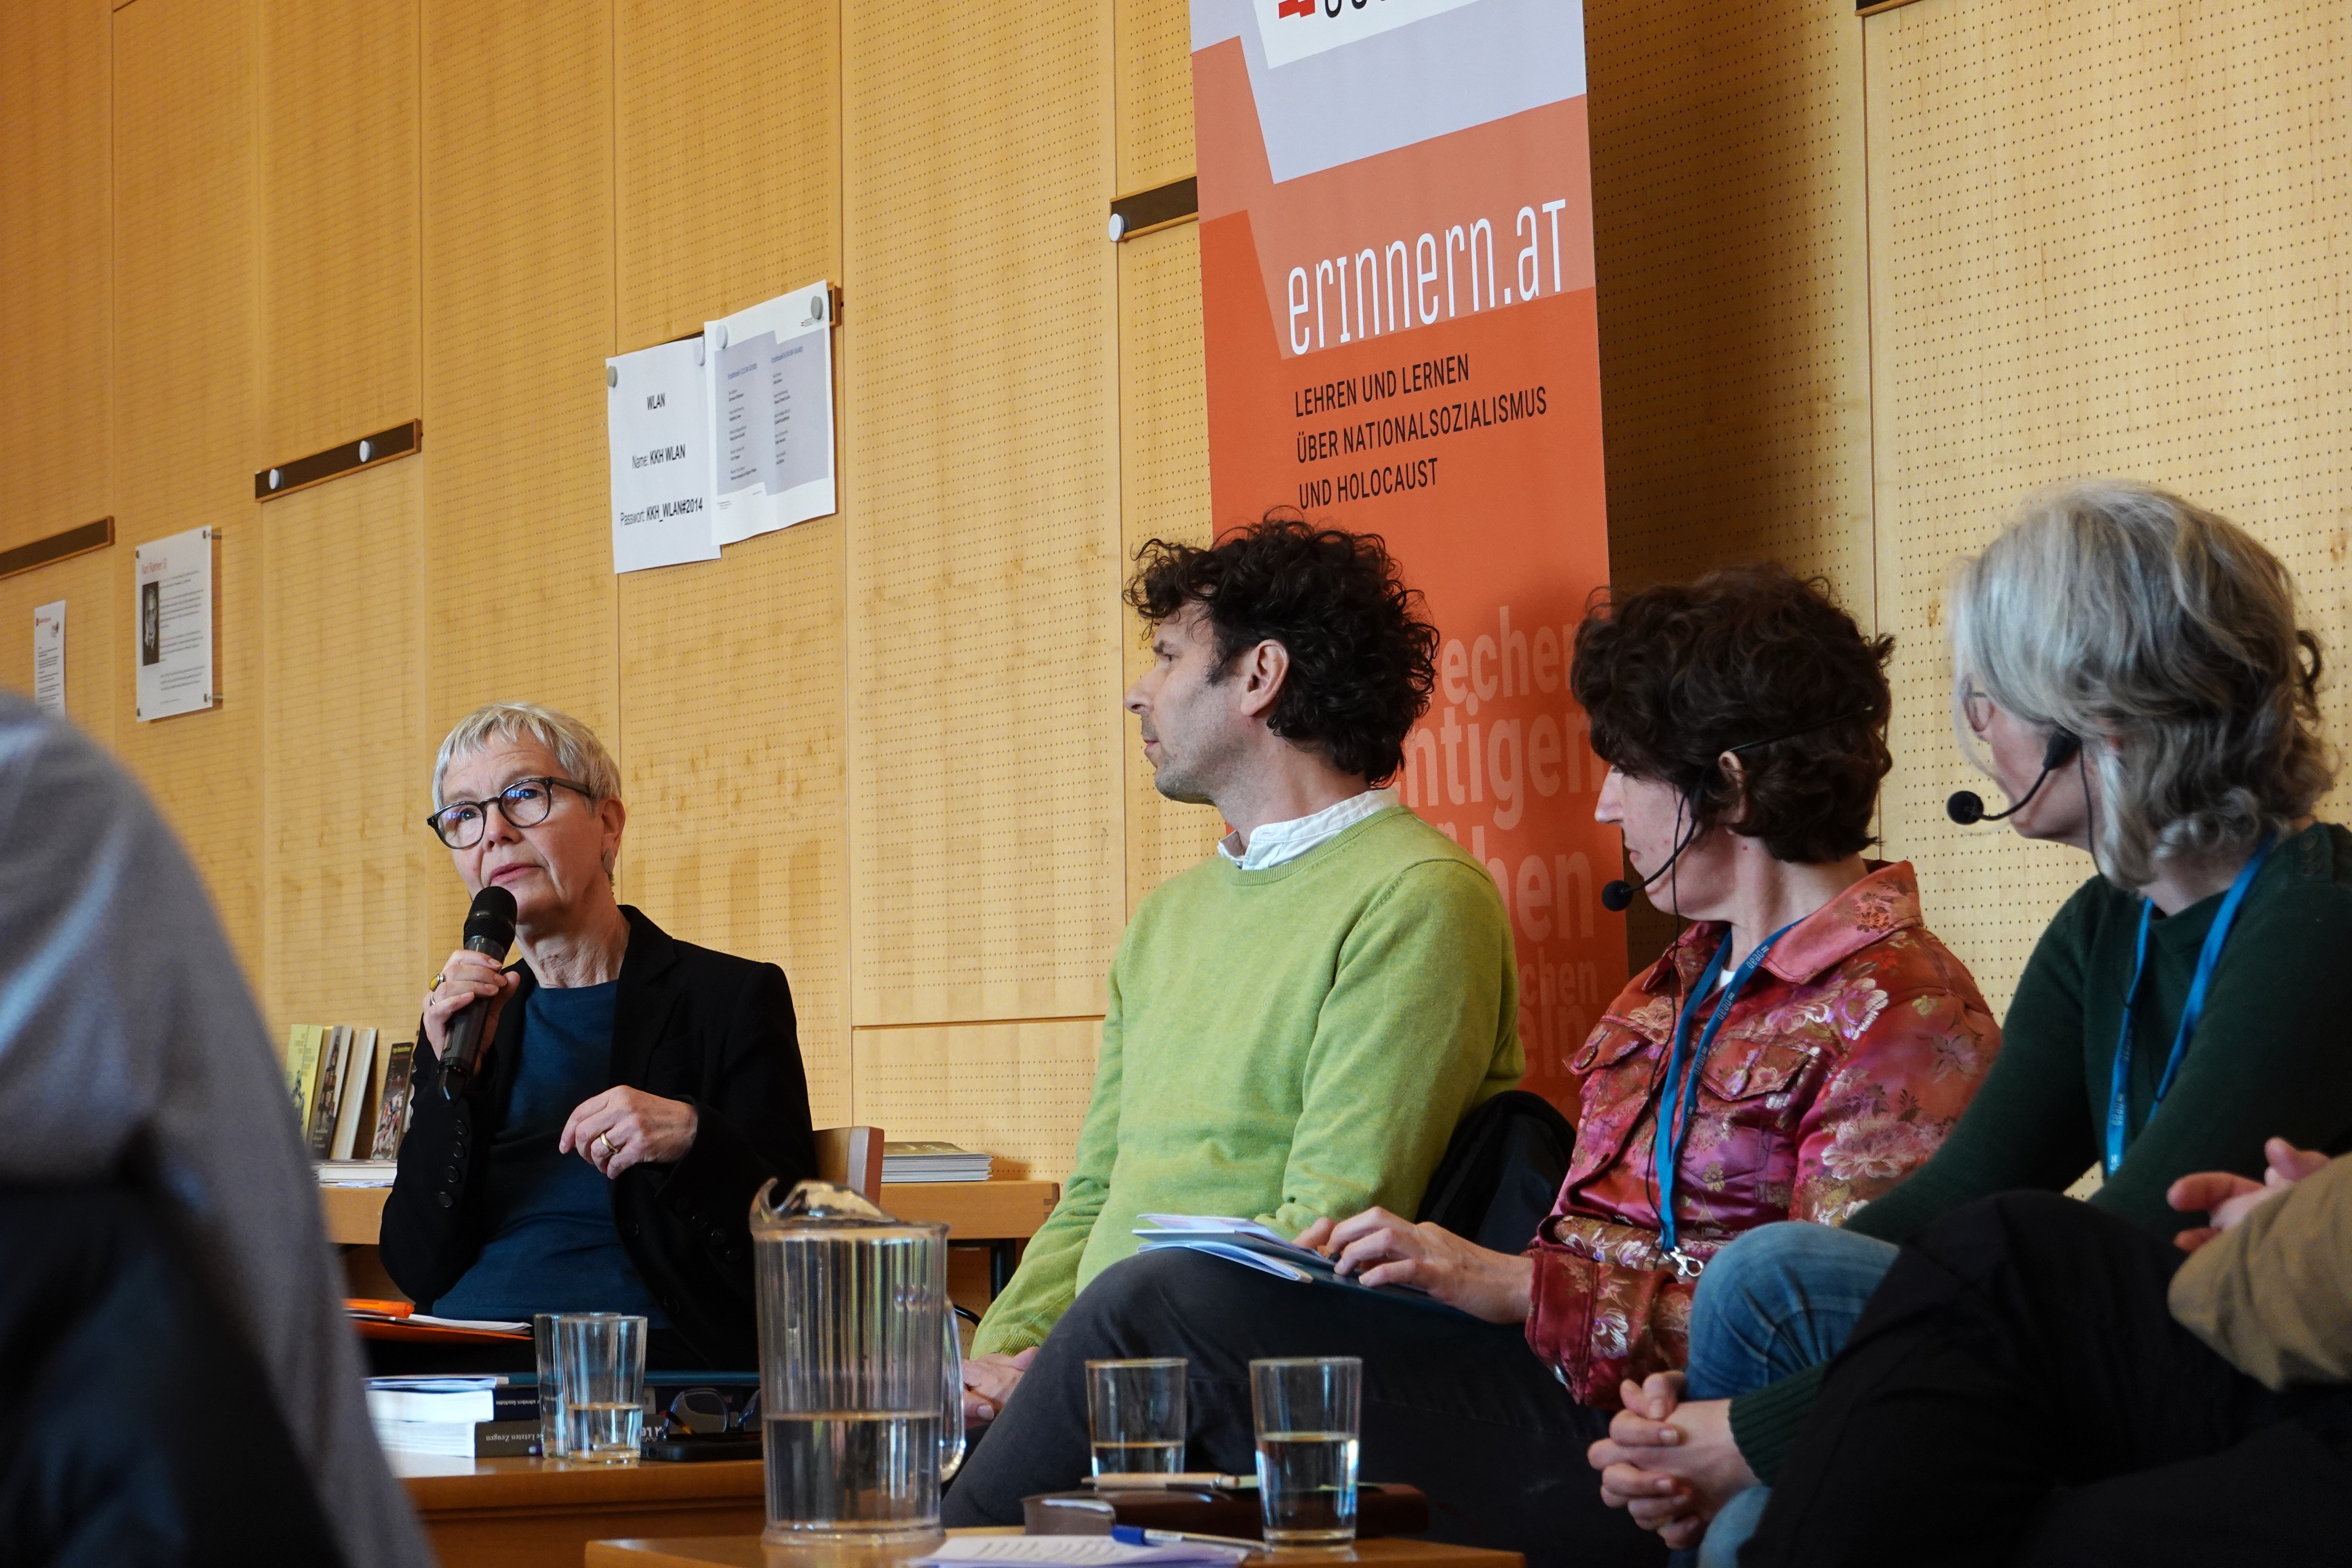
(1676, 675)
(1362, 658)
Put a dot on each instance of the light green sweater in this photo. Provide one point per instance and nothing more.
(1285, 1044)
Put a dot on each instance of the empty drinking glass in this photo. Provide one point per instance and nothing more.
(1309, 1411)
(1135, 1410)
(600, 1368)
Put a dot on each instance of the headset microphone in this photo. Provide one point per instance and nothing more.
(1617, 897)
(1966, 807)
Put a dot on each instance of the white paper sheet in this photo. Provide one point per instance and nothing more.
(49, 658)
(171, 624)
(659, 435)
(770, 371)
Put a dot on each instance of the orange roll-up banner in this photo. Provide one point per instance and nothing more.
(1396, 271)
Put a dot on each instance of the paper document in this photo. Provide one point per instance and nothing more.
(1254, 1246)
(172, 616)
(658, 431)
(49, 658)
(1076, 1551)
(770, 376)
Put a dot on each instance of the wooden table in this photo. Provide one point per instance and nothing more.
(1001, 1212)
(745, 1552)
(542, 1513)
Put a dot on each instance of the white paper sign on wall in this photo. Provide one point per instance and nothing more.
(171, 624)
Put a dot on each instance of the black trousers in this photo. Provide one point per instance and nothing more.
(2017, 1393)
(1461, 1409)
(139, 1430)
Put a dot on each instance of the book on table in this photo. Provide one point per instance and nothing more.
(356, 1173)
(320, 1133)
(1255, 1245)
(931, 1160)
(392, 1100)
(302, 1042)
(463, 1417)
(359, 1089)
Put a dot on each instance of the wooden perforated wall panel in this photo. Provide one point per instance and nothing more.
(1153, 39)
(357, 886)
(980, 424)
(1163, 494)
(352, 881)
(738, 198)
(340, 259)
(1018, 1090)
(187, 411)
(518, 299)
(56, 270)
(731, 688)
(2107, 238)
(1729, 244)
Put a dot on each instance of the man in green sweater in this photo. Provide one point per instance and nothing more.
(1296, 1025)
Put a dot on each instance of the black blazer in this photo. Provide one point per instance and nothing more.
(687, 1024)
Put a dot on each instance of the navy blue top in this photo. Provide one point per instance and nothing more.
(552, 1247)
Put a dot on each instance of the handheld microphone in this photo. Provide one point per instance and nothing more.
(490, 930)
(1967, 806)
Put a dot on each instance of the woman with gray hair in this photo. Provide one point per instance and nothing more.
(2127, 668)
(634, 1090)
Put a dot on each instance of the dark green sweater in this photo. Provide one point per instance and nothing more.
(2271, 1058)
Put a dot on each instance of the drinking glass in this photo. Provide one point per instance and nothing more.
(1309, 1411)
(550, 1392)
(1135, 1411)
(600, 1368)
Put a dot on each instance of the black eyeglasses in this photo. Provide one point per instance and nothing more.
(524, 803)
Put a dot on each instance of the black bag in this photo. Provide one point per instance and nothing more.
(1501, 1172)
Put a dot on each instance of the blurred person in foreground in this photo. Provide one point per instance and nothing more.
(185, 1388)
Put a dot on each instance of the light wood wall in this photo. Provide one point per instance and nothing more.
(883, 748)
(1867, 281)
(1862, 282)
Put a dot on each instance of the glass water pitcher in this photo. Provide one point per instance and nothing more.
(861, 1387)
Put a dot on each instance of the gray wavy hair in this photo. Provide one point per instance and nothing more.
(2128, 616)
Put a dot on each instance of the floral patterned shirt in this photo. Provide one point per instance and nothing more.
(1844, 1061)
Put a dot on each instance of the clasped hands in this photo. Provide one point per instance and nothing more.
(1672, 1465)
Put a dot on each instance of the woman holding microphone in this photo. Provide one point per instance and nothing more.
(632, 1092)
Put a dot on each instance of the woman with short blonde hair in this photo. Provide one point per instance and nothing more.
(633, 1091)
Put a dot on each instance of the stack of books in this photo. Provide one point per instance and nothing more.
(350, 1099)
(356, 1173)
(465, 1417)
(932, 1162)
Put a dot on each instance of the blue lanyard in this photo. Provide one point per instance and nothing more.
(2209, 959)
(1678, 1103)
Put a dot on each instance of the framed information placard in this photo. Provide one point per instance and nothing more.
(171, 621)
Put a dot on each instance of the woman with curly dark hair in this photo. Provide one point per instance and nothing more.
(1802, 1047)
